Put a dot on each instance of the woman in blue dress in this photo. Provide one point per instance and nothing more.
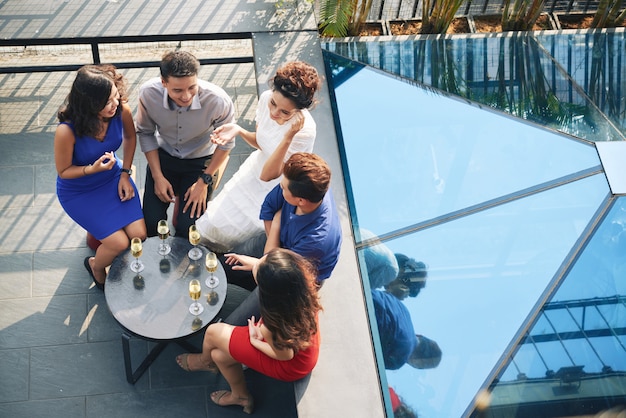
(94, 187)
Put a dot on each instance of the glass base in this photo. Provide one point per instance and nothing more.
(196, 309)
(136, 266)
(195, 253)
(164, 249)
(212, 282)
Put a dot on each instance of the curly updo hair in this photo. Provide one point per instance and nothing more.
(298, 82)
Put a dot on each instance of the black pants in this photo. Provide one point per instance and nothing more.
(181, 173)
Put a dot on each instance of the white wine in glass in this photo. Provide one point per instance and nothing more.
(163, 230)
(210, 263)
(195, 290)
(194, 239)
(136, 249)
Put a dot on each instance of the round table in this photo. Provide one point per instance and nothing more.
(154, 303)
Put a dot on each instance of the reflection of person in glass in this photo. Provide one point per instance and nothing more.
(411, 278)
(399, 408)
(401, 276)
(398, 340)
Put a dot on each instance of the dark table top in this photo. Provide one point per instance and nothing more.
(155, 302)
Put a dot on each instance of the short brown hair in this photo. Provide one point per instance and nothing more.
(308, 175)
(178, 64)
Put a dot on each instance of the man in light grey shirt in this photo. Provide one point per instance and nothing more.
(176, 116)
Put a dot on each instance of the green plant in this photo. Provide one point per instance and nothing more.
(437, 15)
(521, 15)
(340, 18)
(608, 14)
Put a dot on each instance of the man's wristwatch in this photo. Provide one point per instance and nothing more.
(207, 178)
(128, 171)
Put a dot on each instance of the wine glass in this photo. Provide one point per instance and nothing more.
(194, 239)
(195, 290)
(163, 230)
(210, 263)
(136, 249)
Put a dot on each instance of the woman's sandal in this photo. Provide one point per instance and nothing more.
(183, 362)
(246, 403)
(90, 271)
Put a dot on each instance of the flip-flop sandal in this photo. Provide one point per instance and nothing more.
(246, 403)
(182, 361)
(90, 271)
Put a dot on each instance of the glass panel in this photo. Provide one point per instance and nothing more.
(426, 155)
(582, 329)
(485, 273)
(595, 63)
(512, 74)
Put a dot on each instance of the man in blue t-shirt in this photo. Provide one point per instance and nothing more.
(300, 215)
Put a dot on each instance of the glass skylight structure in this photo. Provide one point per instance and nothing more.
(477, 160)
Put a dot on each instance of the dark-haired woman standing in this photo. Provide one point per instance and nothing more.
(284, 127)
(93, 186)
(283, 344)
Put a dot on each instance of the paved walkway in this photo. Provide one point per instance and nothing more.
(60, 350)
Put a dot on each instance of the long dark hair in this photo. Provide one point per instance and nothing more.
(288, 298)
(89, 94)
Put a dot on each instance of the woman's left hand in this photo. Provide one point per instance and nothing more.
(255, 330)
(240, 262)
(297, 123)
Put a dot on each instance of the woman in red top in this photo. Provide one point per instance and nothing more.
(283, 344)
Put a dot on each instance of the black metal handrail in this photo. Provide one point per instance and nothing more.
(95, 43)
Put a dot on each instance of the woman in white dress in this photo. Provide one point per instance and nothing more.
(284, 126)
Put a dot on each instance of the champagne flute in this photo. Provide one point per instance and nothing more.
(136, 249)
(210, 263)
(194, 239)
(195, 290)
(163, 230)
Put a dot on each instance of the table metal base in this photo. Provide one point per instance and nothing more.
(133, 376)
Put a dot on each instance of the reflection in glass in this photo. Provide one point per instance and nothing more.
(138, 282)
(165, 266)
(196, 324)
(578, 341)
(212, 298)
(432, 164)
(516, 75)
(492, 207)
(594, 62)
(485, 274)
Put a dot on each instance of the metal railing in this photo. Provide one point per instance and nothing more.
(96, 42)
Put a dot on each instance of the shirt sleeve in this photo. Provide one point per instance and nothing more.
(273, 202)
(145, 126)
